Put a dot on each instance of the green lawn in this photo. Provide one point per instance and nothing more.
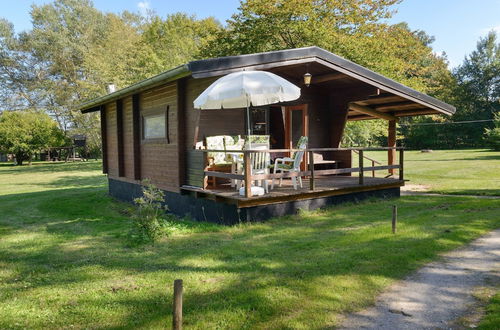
(491, 320)
(467, 172)
(65, 260)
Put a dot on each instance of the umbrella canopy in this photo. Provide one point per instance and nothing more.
(247, 88)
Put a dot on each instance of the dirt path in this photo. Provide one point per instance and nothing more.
(438, 294)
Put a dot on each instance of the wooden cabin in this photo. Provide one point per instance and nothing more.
(150, 130)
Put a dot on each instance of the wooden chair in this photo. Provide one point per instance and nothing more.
(291, 164)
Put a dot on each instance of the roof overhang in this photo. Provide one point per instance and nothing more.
(272, 60)
(170, 75)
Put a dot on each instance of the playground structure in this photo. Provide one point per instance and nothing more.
(73, 153)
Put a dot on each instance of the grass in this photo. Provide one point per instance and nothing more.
(458, 172)
(492, 318)
(65, 260)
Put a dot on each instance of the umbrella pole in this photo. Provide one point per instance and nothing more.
(248, 128)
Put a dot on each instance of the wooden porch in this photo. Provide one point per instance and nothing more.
(316, 183)
(325, 187)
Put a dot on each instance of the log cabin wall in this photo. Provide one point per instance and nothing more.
(221, 122)
(159, 156)
(318, 113)
(194, 87)
(232, 121)
(203, 123)
(339, 100)
(159, 160)
(128, 147)
(112, 139)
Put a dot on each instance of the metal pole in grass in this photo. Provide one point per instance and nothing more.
(177, 308)
(394, 218)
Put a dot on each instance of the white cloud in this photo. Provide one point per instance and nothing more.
(144, 7)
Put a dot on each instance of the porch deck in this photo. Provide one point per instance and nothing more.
(325, 186)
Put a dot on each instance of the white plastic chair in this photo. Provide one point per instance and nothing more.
(259, 164)
(291, 164)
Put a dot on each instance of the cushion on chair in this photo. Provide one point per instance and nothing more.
(216, 143)
(285, 166)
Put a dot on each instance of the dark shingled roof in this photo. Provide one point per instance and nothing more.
(222, 65)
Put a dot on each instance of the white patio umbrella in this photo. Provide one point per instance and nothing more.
(247, 88)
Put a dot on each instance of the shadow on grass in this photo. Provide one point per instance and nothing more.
(71, 181)
(245, 275)
(9, 168)
(476, 158)
(470, 192)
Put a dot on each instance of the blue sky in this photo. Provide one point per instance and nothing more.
(456, 24)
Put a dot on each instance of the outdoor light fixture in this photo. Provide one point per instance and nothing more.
(307, 79)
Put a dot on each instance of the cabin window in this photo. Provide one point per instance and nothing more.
(154, 126)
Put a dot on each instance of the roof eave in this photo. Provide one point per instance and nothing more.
(217, 66)
(167, 76)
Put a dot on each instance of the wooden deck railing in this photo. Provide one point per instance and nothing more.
(371, 160)
(310, 172)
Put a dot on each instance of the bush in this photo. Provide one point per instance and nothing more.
(149, 218)
(492, 135)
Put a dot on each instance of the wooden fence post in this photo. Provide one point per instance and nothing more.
(177, 308)
(312, 185)
(401, 162)
(248, 174)
(394, 218)
(361, 174)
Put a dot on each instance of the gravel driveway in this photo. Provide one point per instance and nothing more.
(438, 294)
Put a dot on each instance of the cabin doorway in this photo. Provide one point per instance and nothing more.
(296, 124)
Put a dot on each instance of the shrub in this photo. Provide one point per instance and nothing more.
(492, 135)
(149, 218)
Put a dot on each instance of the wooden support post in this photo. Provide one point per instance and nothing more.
(136, 135)
(373, 171)
(248, 174)
(391, 143)
(361, 174)
(119, 138)
(312, 184)
(401, 162)
(104, 139)
(205, 165)
(177, 307)
(182, 147)
(394, 218)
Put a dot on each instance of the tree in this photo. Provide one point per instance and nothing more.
(23, 133)
(178, 38)
(492, 135)
(352, 29)
(75, 50)
(475, 91)
(265, 25)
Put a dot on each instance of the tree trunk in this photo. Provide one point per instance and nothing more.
(20, 158)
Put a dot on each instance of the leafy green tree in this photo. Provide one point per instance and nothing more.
(351, 29)
(478, 92)
(492, 135)
(74, 51)
(365, 133)
(21, 74)
(178, 38)
(264, 25)
(23, 133)
(474, 89)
